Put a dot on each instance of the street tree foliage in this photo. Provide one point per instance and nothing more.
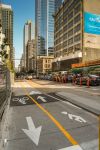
(3, 51)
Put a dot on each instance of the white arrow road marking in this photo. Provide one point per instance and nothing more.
(77, 118)
(42, 99)
(64, 112)
(34, 92)
(33, 133)
(75, 147)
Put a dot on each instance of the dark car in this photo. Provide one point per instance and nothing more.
(93, 80)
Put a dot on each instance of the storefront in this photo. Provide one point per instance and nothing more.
(91, 66)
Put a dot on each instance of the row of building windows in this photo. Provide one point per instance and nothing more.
(68, 7)
(71, 49)
(69, 24)
(73, 39)
(69, 33)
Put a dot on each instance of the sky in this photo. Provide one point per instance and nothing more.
(23, 10)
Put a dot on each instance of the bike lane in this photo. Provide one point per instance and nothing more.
(54, 128)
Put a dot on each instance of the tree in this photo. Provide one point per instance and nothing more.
(3, 45)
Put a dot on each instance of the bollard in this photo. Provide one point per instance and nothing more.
(88, 83)
(74, 82)
(80, 81)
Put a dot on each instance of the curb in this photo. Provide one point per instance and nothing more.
(84, 107)
(3, 122)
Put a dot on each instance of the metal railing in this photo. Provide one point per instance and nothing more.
(5, 88)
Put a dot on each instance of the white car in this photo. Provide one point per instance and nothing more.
(29, 77)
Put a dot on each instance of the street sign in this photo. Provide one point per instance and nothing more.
(75, 147)
(32, 132)
(74, 117)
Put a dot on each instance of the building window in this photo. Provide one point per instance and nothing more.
(65, 36)
(77, 38)
(65, 44)
(77, 9)
(70, 49)
(70, 33)
(70, 24)
(77, 28)
(70, 41)
(77, 19)
(70, 15)
(77, 47)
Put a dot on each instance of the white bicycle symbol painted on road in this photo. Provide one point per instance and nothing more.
(22, 100)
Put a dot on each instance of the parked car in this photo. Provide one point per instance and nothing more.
(29, 77)
(93, 79)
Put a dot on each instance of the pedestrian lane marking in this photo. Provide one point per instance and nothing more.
(74, 117)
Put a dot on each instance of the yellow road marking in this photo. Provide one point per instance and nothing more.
(67, 135)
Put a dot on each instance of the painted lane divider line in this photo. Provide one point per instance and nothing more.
(67, 135)
(65, 102)
(42, 99)
(75, 147)
(33, 133)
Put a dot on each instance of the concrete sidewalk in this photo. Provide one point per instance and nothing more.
(90, 105)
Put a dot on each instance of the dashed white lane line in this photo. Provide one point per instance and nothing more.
(71, 104)
(65, 102)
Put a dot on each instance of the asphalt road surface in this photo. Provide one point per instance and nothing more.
(39, 120)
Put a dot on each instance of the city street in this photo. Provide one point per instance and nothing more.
(50, 75)
(39, 119)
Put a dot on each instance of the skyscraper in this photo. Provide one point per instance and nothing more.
(77, 35)
(45, 26)
(27, 36)
(6, 20)
(58, 4)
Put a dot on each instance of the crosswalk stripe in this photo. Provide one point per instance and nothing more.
(27, 85)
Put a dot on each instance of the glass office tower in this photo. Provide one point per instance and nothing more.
(44, 10)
